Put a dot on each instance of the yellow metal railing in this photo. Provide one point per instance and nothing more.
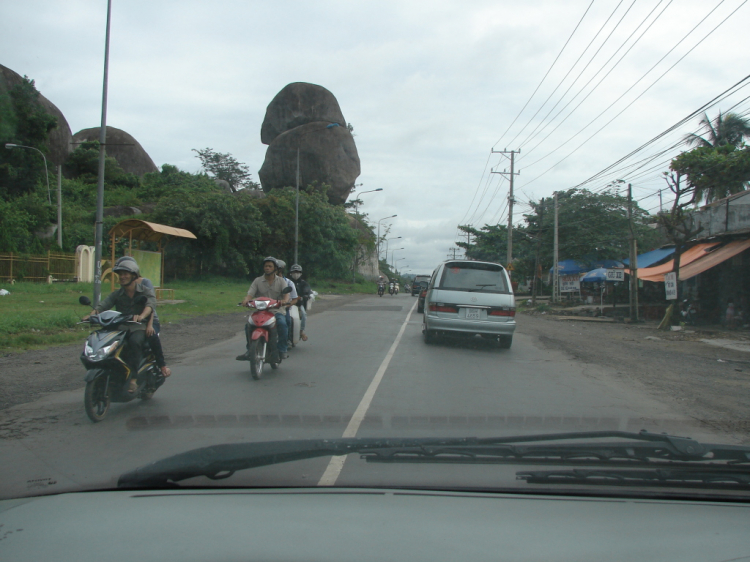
(38, 268)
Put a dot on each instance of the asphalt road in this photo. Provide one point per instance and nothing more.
(365, 372)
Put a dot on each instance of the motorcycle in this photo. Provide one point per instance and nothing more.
(381, 289)
(397, 288)
(294, 326)
(261, 323)
(688, 312)
(108, 375)
(391, 288)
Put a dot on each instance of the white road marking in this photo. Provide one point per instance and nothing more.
(336, 463)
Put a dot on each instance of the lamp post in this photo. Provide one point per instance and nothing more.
(394, 265)
(381, 220)
(386, 244)
(392, 256)
(296, 204)
(356, 212)
(10, 146)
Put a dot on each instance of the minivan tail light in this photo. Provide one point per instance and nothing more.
(503, 311)
(440, 307)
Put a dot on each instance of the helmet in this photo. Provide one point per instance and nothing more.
(273, 260)
(295, 268)
(127, 263)
(281, 264)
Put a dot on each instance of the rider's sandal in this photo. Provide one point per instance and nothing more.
(166, 371)
(133, 386)
(303, 336)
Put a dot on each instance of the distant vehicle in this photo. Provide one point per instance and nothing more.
(470, 297)
(420, 282)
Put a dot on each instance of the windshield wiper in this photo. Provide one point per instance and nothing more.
(725, 479)
(641, 450)
(481, 287)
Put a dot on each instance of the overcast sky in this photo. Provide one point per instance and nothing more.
(430, 88)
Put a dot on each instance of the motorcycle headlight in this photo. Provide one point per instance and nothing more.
(260, 305)
(101, 353)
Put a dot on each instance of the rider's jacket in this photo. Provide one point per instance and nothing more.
(304, 290)
(261, 288)
(120, 301)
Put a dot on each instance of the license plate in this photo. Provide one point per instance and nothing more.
(473, 313)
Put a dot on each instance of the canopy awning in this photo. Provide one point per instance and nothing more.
(147, 231)
(713, 259)
(650, 258)
(657, 272)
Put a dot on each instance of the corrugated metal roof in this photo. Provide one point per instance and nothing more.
(150, 231)
(650, 258)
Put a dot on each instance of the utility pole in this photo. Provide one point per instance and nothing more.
(59, 205)
(452, 251)
(661, 206)
(538, 250)
(98, 235)
(555, 270)
(511, 199)
(633, 260)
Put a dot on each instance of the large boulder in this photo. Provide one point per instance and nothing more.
(59, 139)
(298, 104)
(327, 155)
(121, 146)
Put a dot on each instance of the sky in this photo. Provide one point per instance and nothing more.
(431, 88)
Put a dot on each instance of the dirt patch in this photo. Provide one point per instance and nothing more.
(25, 377)
(707, 383)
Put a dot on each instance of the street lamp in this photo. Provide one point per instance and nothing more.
(386, 245)
(381, 220)
(10, 146)
(356, 212)
(395, 263)
(296, 204)
(392, 256)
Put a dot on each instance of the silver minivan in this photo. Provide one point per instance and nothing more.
(470, 297)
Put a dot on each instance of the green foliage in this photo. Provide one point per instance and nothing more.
(226, 167)
(714, 172)
(229, 230)
(592, 226)
(326, 240)
(729, 128)
(24, 122)
(83, 163)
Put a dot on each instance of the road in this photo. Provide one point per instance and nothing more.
(365, 372)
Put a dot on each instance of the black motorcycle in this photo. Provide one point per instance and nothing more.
(108, 374)
(381, 289)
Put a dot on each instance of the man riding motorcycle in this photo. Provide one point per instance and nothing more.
(271, 286)
(293, 295)
(304, 291)
(124, 300)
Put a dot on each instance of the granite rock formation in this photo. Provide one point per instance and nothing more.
(59, 139)
(308, 117)
(121, 146)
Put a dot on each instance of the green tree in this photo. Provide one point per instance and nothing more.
(714, 172)
(228, 228)
(83, 163)
(25, 122)
(327, 242)
(226, 167)
(729, 128)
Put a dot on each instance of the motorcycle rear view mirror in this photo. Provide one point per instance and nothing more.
(286, 291)
(84, 300)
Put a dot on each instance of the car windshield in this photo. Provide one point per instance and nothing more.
(500, 246)
(483, 277)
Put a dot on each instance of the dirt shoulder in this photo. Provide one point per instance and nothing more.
(708, 383)
(26, 376)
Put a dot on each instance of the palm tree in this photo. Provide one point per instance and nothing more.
(729, 128)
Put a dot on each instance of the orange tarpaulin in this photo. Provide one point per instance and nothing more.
(714, 258)
(656, 273)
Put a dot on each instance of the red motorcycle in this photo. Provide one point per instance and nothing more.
(261, 322)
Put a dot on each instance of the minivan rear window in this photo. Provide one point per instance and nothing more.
(470, 277)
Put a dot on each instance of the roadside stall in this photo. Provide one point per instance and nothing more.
(151, 263)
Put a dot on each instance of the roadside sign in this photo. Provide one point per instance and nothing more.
(570, 283)
(670, 285)
(510, 267)
(615, 275)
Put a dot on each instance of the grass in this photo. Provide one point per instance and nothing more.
(38, 315)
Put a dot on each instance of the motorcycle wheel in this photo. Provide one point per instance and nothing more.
(96, 400)
(257, 353)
